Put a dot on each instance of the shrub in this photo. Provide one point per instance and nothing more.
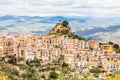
(96, 70)
(53, 75)
(24, 75)
(3, 76)
(43, 76)
(12, 60)
(65, 64)
(111, 43)
(35, 62)
(22, 66)
(65, 32)
(75, 36)
(100, 66)
(15, 72)
(96, 75)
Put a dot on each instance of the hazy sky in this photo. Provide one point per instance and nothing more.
(87, 8)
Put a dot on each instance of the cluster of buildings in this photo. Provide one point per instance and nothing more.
(79, 54)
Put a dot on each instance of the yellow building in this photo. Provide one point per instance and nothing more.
(107, 47)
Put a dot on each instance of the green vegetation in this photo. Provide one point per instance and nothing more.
(100, 66)
(65, 64)
(95, 70)
(100, 44)
(22, 66)
(35, 62)
(53, 75)
(65, 23)
(115, 46)
(75, 78)
(11, 72)
(65, 32)
(20, 71)
(50, 71)
(114, 77)
(3, 76)
(57, 46)
(118, 51)
(111, 43)
(12, 60)
(58, 31)
(75, 36)
(43, 76)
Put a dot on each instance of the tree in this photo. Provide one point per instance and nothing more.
(43, 76)
(100, 66)
(53, 75)
(35, 62)
(100, 43)
(12, 60)
(75, 36)
(65, 64)
(110, 43)
(116, 46)
(65, 23)
(118, 51)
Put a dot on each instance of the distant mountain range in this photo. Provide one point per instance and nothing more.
(98, 30)
(34, 24)
(90, 28)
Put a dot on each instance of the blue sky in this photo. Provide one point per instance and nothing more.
(87, 8)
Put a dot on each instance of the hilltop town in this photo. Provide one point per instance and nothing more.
(61, 50)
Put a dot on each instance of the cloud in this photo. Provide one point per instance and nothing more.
(93, 8)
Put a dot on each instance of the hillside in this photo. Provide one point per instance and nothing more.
(111, 33)
(61, 28)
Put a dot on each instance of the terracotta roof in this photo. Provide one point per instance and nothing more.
(45, 35)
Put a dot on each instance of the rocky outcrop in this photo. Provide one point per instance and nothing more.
(61, 29)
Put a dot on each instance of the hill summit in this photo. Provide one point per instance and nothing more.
(61, 28)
